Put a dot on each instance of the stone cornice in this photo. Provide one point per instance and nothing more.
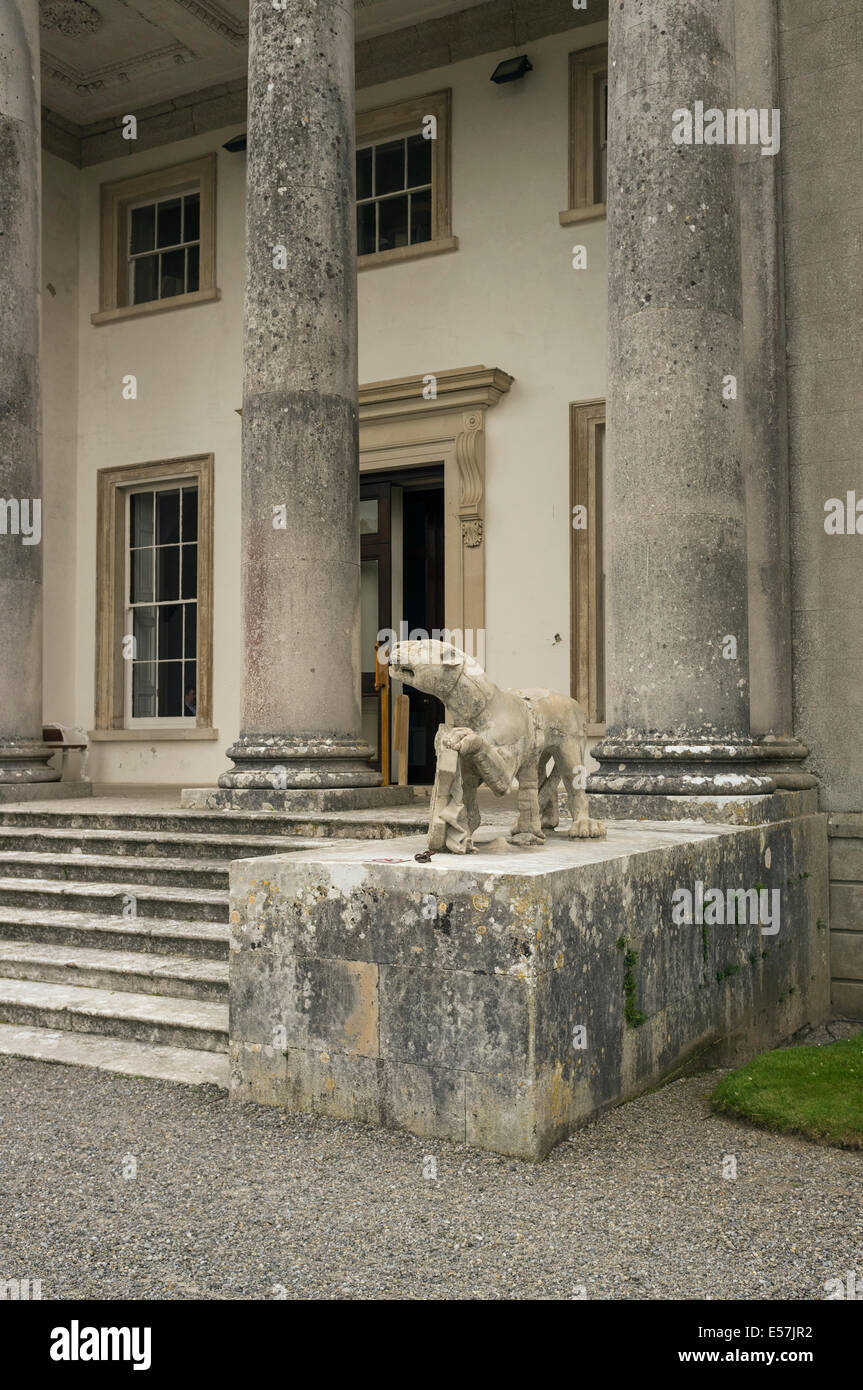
(217, 19)
(212, 108)
(461, 388)
(487, 28)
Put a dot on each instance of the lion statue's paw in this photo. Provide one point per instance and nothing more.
(586, 829)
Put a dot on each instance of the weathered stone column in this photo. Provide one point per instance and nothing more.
(300, 532)
(676, 579)
(23, 755)
(765, 411)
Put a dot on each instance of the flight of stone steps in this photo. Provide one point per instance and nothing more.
(114, 929)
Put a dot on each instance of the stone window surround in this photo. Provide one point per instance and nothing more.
(584, 65)
(113, 485)
(399, 428)
(383, 122)
(116, 199)
(587, 637)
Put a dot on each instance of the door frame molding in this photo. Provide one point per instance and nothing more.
(586, 561)
(401, 427)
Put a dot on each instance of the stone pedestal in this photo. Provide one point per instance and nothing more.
(300, 722)
(676, 612)
(504, 999)
(23, 755)
(302, 799)
(13, 792)
(760, 808)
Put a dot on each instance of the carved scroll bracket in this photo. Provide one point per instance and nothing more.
(470, 456)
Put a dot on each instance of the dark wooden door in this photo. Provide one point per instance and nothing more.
(376, 579)
(423, 530)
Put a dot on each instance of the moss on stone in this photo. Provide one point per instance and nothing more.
(633, 1015)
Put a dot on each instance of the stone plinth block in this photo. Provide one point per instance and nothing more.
(300, 798)
(721, 810)
(13, 792)
(504, 998)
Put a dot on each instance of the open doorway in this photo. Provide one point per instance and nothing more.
(402, 568)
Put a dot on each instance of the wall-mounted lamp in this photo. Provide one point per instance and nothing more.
(511, 69)
(237, 145)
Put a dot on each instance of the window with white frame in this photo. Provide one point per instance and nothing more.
(601, 128)
(394, 194)
(588, 134)
(162, 608)
(158, 241)
(163, 247)
(403, 180)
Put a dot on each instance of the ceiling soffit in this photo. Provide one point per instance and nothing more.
(102, 59)
(110, 55)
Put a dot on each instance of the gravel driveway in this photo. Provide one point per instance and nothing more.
(246, 1203)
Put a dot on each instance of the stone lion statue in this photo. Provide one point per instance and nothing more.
(498, 737)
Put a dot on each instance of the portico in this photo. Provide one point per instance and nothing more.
(676, 725)
(217, 287)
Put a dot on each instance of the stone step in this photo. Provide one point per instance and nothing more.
(109, 899)
(187, 1023)
(194, 1068)
(175, 977)
(159, 936)
(114, 868)
(352, 825)
(53, 840)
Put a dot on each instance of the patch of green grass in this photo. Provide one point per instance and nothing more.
(814, 1091)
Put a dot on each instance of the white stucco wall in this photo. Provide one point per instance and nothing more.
(507, 298)
(188, 365)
